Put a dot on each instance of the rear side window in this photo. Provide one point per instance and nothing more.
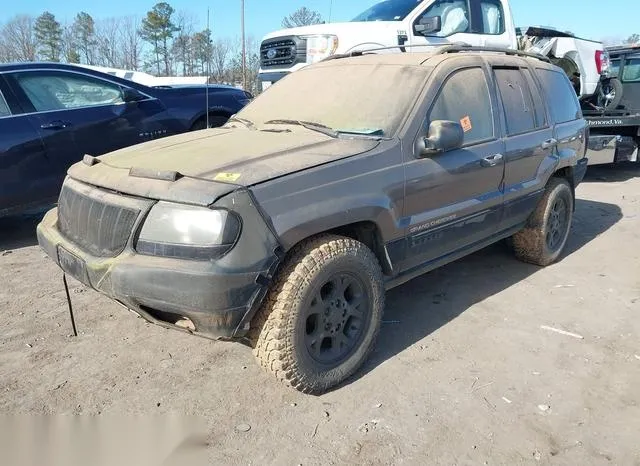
(561, 96)
(538, 103)
(631, 73)
(516, 100)
(4, 108)
(464, 98)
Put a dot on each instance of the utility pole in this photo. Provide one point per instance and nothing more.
(244, 50)
(330, 9)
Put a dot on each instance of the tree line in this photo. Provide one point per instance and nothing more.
(163, 42)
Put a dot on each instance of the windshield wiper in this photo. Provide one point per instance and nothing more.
(248, 123)
(320, 128)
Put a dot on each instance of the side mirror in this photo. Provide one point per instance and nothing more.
(131, 95)
(443, 137)
(428, 25)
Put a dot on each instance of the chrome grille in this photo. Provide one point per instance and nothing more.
(282, 52)
(100, 228)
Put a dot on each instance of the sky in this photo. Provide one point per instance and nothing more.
(617, 19)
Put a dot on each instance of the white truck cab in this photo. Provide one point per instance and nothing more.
(484, 23)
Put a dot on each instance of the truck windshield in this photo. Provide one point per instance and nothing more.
(389, 10)
(353, 98)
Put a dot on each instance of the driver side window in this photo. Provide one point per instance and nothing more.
(464, 98)
(58, 90)
(454, 14)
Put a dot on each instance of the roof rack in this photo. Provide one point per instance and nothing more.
(453, 48)
(359, 53)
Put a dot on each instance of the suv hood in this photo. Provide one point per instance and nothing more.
(212, 163)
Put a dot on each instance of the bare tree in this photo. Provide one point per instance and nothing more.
(220, 58)
(181, 49)
(70, 47)
(302, 17)
(131, 42)
(634, 39)
(17, 39)
(107, 37)
(234, 69)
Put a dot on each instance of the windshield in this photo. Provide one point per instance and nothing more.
(356, 98)
(389, 10)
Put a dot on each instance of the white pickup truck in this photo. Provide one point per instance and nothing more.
(411, 23)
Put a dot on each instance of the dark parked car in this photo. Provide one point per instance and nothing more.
(51, 115)
(286, 226)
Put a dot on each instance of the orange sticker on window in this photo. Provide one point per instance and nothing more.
(466, 124)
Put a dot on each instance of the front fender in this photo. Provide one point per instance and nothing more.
(296, 225)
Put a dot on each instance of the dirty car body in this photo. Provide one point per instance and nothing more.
(190, 231)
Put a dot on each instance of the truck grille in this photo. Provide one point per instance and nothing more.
(283, 52)
(100, 228)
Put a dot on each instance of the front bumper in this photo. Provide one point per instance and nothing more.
(213, 299)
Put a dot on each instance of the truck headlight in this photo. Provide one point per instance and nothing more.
(187, 232)
(320, 47)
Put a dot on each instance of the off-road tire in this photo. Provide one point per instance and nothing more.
(530, 244)
(278, 330)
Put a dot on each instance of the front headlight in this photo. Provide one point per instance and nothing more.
(320, 47)
(187, 232)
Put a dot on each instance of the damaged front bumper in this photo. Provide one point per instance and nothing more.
(214, 299)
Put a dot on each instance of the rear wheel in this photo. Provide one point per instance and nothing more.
(214, 122)
(544, 237)
(322, 316)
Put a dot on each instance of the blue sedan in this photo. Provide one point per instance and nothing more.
(52, 114)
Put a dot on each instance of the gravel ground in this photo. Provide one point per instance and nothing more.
(468, 368)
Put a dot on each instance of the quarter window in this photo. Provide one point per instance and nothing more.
(561, 96)
(464, 98)
(56, 90)
(4, 108)
(454, 14)
(516, 100)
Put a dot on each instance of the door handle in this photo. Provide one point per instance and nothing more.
(492, 160)
(56, 125)
(549, 143)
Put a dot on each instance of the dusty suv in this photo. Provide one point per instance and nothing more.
(284, 227)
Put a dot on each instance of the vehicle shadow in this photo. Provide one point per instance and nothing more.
(422, 306)
(19, 231)
(612, 172)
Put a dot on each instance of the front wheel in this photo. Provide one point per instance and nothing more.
(544, 237)
(322, 316)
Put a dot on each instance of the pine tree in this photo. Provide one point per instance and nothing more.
(158, 29)
(84, 33)
(48, 34)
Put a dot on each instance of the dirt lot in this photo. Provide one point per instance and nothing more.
(464, 372)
